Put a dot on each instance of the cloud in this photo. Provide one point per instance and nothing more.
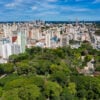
(43, 6)
(10, 5)
(75, 9)
(96, 1)
(13, 4)
(34, 7)
(52, 0)
(81, 9)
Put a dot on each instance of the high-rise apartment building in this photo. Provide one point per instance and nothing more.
(22, 40)
(9, 49)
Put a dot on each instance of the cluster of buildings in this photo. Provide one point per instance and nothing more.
(95, 40)
(16, 37)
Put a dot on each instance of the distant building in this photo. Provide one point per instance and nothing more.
(15, 48)
(22, 40)
(65, 40)
(9, 49)
(48, 40)
(6, 50)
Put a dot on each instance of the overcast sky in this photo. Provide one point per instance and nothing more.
(50, 10)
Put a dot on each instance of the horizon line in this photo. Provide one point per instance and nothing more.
(50, 20)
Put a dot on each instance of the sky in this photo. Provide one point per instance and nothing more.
(49, 10)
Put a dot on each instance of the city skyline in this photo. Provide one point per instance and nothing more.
(50, 10)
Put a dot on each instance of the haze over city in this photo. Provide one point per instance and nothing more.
(49, 10)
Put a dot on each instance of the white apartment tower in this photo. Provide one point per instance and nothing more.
(22, 40)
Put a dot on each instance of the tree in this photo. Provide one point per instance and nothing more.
(60, 78)
(37, 80)
(60, 73)
(24, 68)
(59, 52)
(66, 95)
(88, 58)
(90, 95)
(61, 67)
(16, 83)
(6, 68)
(29, 92)
(18, 58)
(1, 91)
(10, 95)
(81, 94)
(72, 88)
(52, 89)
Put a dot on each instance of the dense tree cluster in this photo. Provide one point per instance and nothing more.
(50, 74)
